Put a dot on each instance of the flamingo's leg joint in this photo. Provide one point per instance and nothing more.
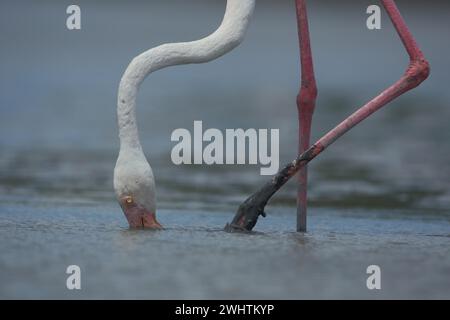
(418, 71)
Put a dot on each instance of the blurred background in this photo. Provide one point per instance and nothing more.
(58, 146)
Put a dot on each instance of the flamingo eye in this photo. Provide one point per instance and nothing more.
(128, 199)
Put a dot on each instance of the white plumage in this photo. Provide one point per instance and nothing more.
(133, 177)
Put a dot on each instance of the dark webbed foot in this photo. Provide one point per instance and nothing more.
(248, 213)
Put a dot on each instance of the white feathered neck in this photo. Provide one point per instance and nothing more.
(229, 35)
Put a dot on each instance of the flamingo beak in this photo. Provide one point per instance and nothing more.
(143, 219)
(139, 217)
(149, 221)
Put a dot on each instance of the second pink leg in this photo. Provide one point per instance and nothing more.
(306, 102)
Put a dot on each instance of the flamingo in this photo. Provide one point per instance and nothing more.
(134, 183)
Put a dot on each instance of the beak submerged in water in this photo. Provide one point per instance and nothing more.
(144, 220)
(139, 217)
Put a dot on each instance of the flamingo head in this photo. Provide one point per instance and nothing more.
(135, 191)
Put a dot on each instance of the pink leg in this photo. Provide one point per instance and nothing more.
(417, 71)
(306, 102)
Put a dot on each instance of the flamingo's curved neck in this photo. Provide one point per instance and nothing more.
(224, 39)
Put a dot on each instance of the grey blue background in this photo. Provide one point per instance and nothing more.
(380, 195)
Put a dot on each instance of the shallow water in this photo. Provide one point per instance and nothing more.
(194, 258)
(380, 196)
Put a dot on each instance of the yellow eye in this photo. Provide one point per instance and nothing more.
(128, 199)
